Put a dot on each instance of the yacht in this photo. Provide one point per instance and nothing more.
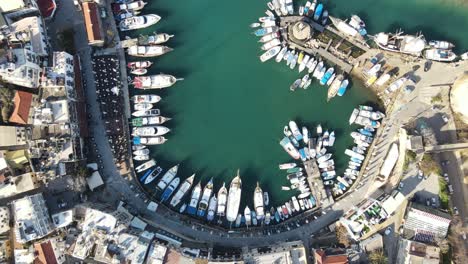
(151, 112)
(138, 22)
(212, 208)
(132, 6)
(145, 166)
(149, 140)
(234, 196)
(148, 51)
(153, 175)
(222, 199)
(170, 189)
(158, 81)
(290, 149)
(203, 205)
(258, 203)
(150, 120)
(146, 98)
(168, 176)
(150, 131)
(196, 193)
(182, 191)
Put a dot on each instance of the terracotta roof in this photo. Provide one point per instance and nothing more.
(322, 258)
(22, 106)
(92, 21)
(45, 253)
(46, 7)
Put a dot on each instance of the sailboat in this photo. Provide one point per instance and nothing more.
(234, 196)
(196, 193)
(203, 205)
(170, 189)
(212, 208)
(182, 191)
(168, 176)
(222, 199)
(258, 202)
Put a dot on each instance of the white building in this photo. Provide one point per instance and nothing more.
(156, 254)
(287, 253)
(12, 136)
(60, 75)
(30, 31)
(21, 67)
(32, 219)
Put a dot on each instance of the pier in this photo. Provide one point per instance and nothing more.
(316, 185)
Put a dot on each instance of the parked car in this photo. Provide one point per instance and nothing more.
(450, 188)
(455, 210)
(401, 186)
(433, 202)
(388, 231)
(420, 174)
(427, 65)
(446, 178)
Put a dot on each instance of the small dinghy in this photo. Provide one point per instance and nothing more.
(139, 71)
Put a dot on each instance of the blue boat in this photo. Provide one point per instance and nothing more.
(303, 155)
(153, 175)
(294, 141)
(277, 217)
(318, 11)
(356, 160)
(327, 76)
(196, 193)
(343, 87)
(312, 201)
(142, 179)
(365, 132)
(170, 189)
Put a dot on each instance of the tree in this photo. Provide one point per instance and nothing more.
(428, 165)
(342, 235)
(378, 257)
(444, 245)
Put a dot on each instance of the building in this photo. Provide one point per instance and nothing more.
(47, 8)
(12, 137)
(30, 32)
(287, 253)
(156, 254)
(48, 252)
(13, 10)
(131, 248)
(416, 252)
(4, 220)
(425, 224)
(60, 77)
(14, 185)
(21, 113)
(330, 256)
(93, 23)
(32, 219)
(21, 67)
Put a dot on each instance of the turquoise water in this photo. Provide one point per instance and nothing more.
(230, 110)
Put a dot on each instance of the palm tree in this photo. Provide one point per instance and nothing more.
(378, 257)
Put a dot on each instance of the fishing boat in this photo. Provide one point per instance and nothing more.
(196, 193)
(139, 64)
(266, 198)
(281, 54)
(139, 71)
(286, 166)
(327, 76)
(203, 205)
(141, 157)
(141, 152)
(304, 63)
(138, 22)
(149, 140)
(270, 53)
(153, 175)
(318, 11)
(290, 149)
(148, 51)
(150, 120)
(143, 106)
(182, 208)
(343, 87)
(285, 188)
(439, 44)
(155, 39)
(132, 6)
(182, 191)
(258, 202)
(212, 208)
(238, 220)
(331, 139)
(333, 89)
(295, 85)
(145, 166)
(271, 44)
(167, 178)
(146, 98)
(222, 199)
(170, 189)
(234, 197)
(263, 31)
(150, 131)
(407, 44)
(396, 85)
(158, 81)
(248, 216)
(255, 25)
(442, 55)
(353, 116)
(269, 37)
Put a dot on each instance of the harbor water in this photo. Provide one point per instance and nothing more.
(230, 110)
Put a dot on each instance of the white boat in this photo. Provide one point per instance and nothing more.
(331, 139)
(398, 42)
(146, 98)
(295, 204)
(139, 71)
(295, 130)
(170, 189)
(332, 78)
(222, 200)
(319, 129)
(285, 188)
(294, 61)
(304, 63)
(440, 44)
(353, 116)
(158, 81)
(138, 147)
(289, 6)
(182, 191)
(150, 120)
(150, 131)
(234, 197)
(150, 140)
(153, 175)
(396, 85)
(168, 176)
(143, 106)
(139, 64)
(138, 22)
(307, 8)
(268, 37)
(270, 44)
(148, 51)
(255, 25)
(247, 215)
(182, 208)
(289, 147)
(295, 85)
(141, 157)
(281, 54)
(312, 65)
(345, 28)
(145, 166)
(267, 218)
(318, 70)
(154, 39)
(303, 195)
(443, 55)
(269, 23)
(334, 87)
(203, 205)
(283, 9)
(258, 203)
(286, 166)
(194, 198)
(324, 158)
(464, 56)
(212, 208)
(266, 198)
(141, 152)
(132, 6)
(270, 53)
(305, 135)
(270, 14)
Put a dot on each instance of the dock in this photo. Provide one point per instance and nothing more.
(317, 188)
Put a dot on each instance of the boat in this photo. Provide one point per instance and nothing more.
(234, 197)
(263, 31)
(139, 64)
(149, 140)
(294, 62)
(270, 53)
(238, 220)
(294, 170)
(146, 98)
(132, 6)
(353, 116)
(285, 211)
(281, 54)
(327, 76)
(271, 44)
(303, 195)
(269, 23)
(396, 85)
(145, 166)
(155, 39)
(150, 120)
(295, 85)
(153, 175)
(307, 83)
(182, 191)
(269, 37)
(143, 106)
(331, 139)
(212, 208)
(267, 218)
(439, 44)
(141, 157)
(289, 7)
(319, 129)
(295, 203)
(286, 166)
(331, 79)
(143, 178)
(258, 202)
(139, 71)
(290, 57)
(304, 80)
(167, 178)
(290, 149)
(182, 208)
(383, 79)
(255, 25)
(321, 73)
(318, 68)
(325, 17)
(125, 14)
(158, 81)
(318, 11)
(150, 131)
(311, 65)
(141, 152)
(301, 10)
(312, 7)
(138, 22)
(335, 85)
(324, 158)
(407, 44)
(148, 51)
(170, 189)
(357, 23)
(295, 130)
(305, 135)
(326, 164)
(271, 5)
(222, 199)
(345, 28)
(373, 71)
(266, 198)
(196, 193)
(285, 188)
(464, 56)
(307, 8)
(442, 55)
(343, 87)
(203, 205)
(247, 215)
